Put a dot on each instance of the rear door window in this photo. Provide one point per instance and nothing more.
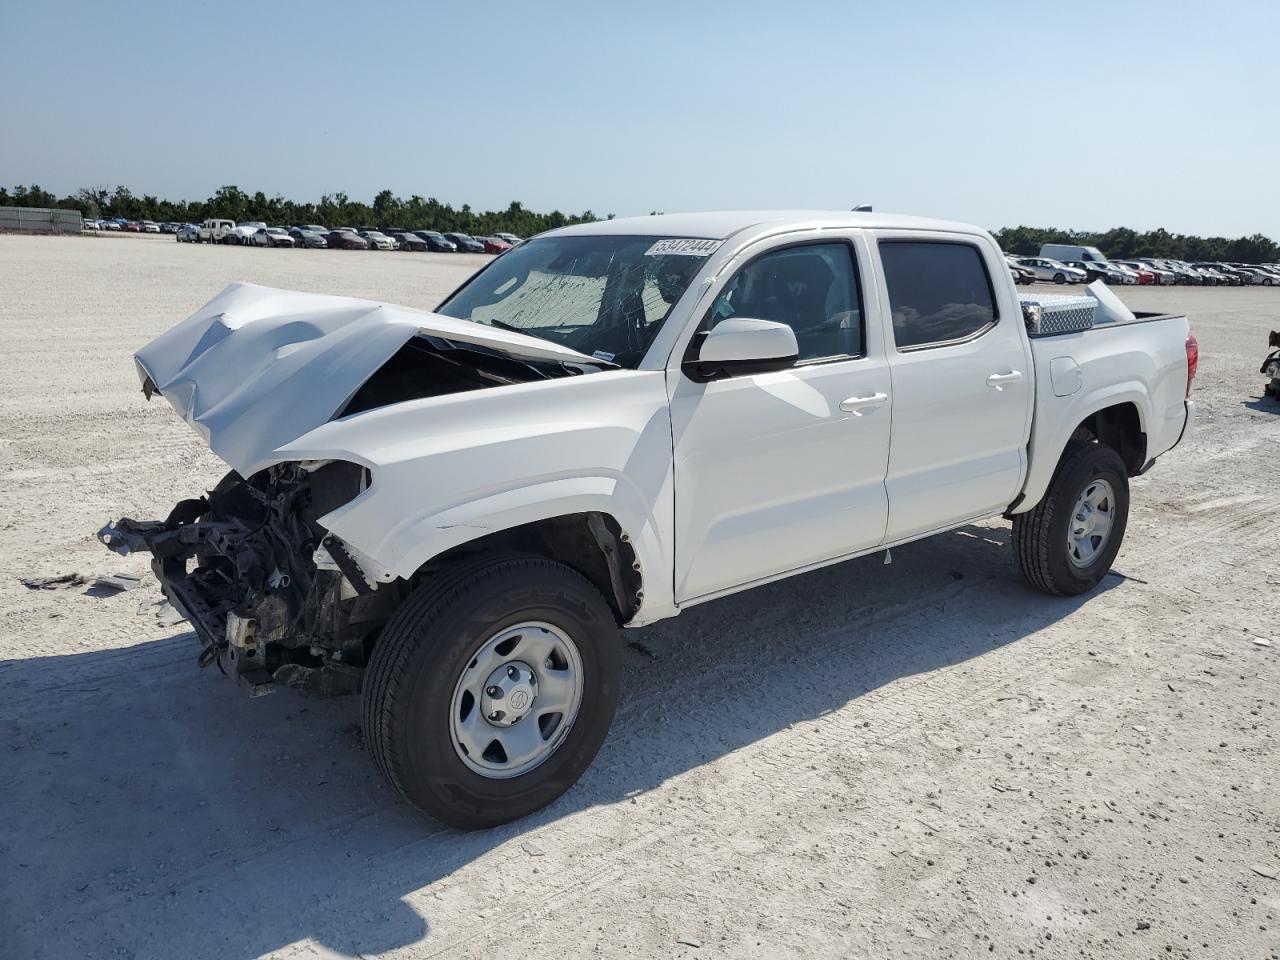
(939, 292)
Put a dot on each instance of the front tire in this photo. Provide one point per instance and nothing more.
(430, 721)
(1067, 543)
(1059, 278)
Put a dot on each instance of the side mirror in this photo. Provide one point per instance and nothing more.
(742, 346)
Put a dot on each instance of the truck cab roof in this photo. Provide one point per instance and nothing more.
(719, 225)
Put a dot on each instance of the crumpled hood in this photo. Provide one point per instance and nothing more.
(256, 368)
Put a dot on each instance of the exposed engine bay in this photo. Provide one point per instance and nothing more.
(271, 595)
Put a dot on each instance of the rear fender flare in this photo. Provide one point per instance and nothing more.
(1049, 439)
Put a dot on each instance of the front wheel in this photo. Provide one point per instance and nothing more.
(492, 689)
(1059, 278)
(1067, 543)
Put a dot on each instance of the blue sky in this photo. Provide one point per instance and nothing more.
(1083, 114)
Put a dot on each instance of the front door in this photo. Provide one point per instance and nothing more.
(778, 471)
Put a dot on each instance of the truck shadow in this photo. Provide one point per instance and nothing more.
(164, 814)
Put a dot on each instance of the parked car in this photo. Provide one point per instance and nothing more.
(188, 233)
(1243, 277)
(510, 238)
(1221, 277)
(1056, 271)
(1098, 270)
(1130, 275)
(436, 241)
(150, 226)
(1161, 275)
(378, 240)
(215, 230)
(114, 225)
(313, 228)
(133, 226)
(411, 241)
(272, 237)
(457, 515)
(168, 227)
(87, 224)
(1261, 275)
(346, 240)
(303, 237)
(244, 231)
(1021, 275)
(1144, 273)
(1180, 274)
(494, 245)
(464, 243)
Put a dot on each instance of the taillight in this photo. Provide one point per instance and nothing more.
(1193, 359)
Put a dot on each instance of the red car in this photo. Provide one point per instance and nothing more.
(346, 240)
(134, 226)
(494, 245)
(1145, 276)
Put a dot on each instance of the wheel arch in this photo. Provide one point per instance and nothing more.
(1120, 427)
(597, 525)
(591, 542)
(1117, 418)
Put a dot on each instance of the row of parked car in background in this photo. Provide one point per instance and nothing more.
(1062, 263)
(258, 234)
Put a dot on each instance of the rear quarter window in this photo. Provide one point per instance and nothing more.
(939, 292)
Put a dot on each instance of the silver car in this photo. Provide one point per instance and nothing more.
(378, 240)
(1055, 271)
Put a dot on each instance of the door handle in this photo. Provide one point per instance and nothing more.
(1002, 380)
(856, 405)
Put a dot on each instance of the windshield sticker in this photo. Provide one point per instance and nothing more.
(683, 248)
(604, 355)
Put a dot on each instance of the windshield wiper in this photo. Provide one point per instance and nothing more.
(587, 358)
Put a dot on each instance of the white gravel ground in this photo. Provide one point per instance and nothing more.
(925, 759)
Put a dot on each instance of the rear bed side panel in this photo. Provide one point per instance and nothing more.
(1141, 363)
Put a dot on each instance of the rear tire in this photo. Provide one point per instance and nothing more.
(424, 656)
(1042, 539)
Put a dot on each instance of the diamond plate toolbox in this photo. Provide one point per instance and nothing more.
(1056, 314)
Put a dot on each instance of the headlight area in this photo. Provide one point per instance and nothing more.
(240, 563)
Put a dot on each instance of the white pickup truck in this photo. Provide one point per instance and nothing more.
(453, 512)
(215, 231)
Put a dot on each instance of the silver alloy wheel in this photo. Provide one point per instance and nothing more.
(516, 700)
(1091, 522)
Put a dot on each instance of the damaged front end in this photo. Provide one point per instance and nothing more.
(271, 594)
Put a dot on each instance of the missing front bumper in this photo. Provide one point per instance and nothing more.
(240, 565)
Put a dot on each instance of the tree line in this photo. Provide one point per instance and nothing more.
(1121, 243)
(417, 213)
(336, 209)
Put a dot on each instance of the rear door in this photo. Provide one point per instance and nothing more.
(778, 471)
(962, 381)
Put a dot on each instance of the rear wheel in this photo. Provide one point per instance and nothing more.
(492, 689)
(1067, 543)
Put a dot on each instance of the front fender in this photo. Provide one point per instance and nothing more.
(429, 534)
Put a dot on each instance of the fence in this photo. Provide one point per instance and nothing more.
(40, 220)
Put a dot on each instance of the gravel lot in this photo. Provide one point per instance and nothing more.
(925, 759)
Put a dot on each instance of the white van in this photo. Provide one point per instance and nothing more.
(1066, 252)
(215, 231)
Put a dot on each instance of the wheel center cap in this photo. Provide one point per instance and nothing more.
(509, 694)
